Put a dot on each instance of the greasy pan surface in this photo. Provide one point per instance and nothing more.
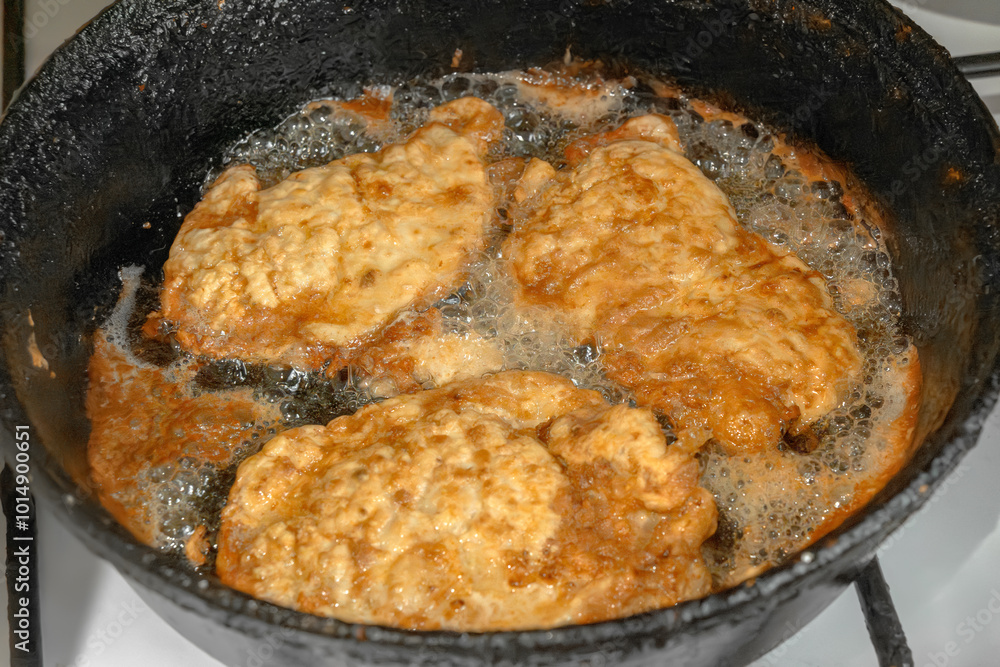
(120, 127)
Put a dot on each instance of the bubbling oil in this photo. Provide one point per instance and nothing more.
(770, 505)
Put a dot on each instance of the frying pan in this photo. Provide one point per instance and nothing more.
(121, 125)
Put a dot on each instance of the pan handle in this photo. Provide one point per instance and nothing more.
(979, 65)
(884, 627)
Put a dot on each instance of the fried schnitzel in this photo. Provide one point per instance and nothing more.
(635, 248)
(326, 258)
(515, 501)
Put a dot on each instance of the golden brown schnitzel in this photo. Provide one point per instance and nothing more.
(635, 248)
(515, 501)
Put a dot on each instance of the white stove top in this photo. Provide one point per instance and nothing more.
(943, 566)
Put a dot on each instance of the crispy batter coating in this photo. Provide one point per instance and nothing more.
(582, 100)
(518, 501)
(326, 258)
(418, 351)
(636, 248)
(144, 419)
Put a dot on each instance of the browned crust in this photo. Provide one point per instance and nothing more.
(197, 546)
(372, 107)
(142, 418)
